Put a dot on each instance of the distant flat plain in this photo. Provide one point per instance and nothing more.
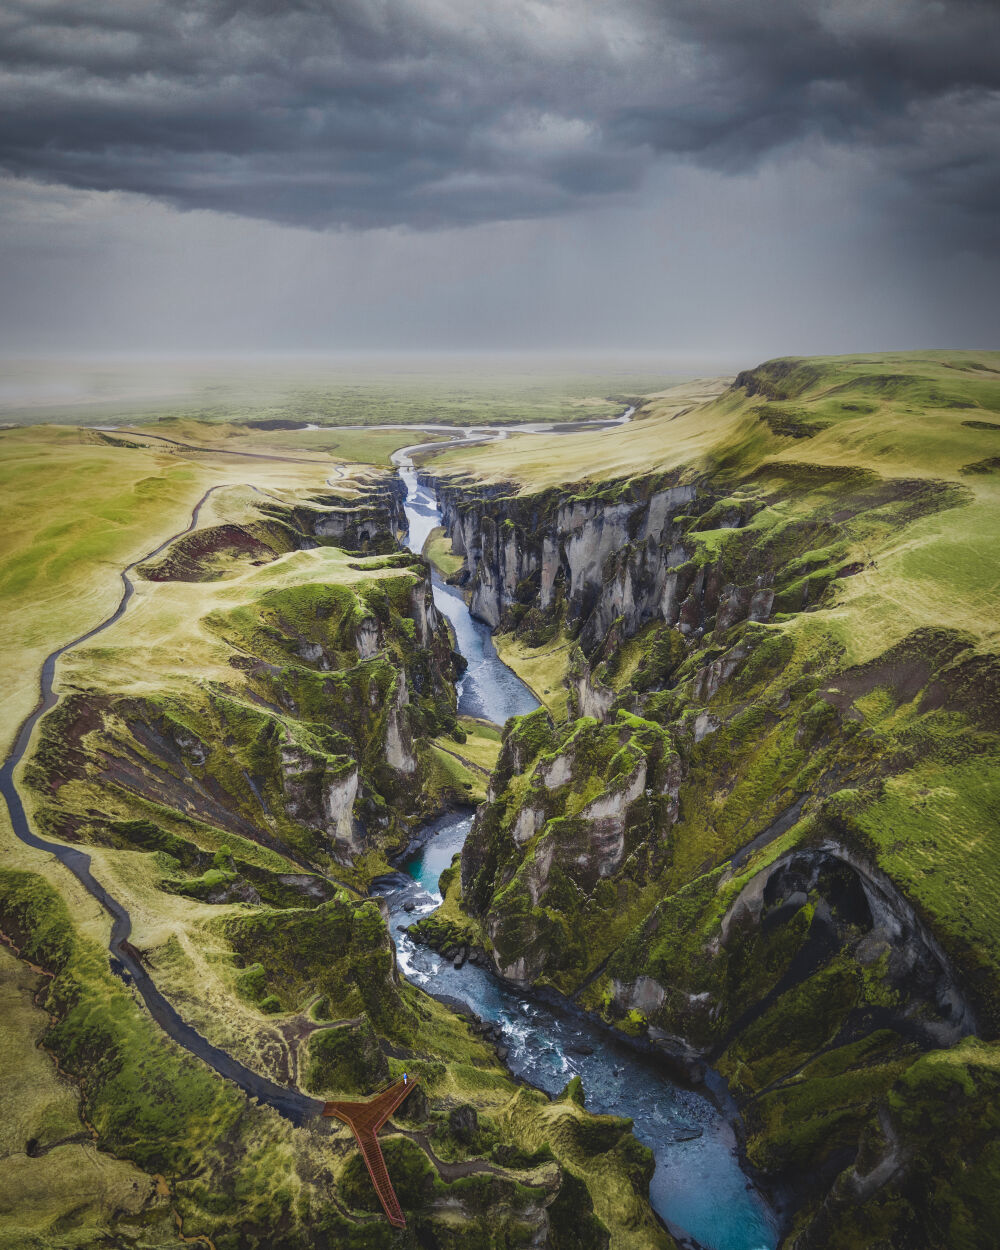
(336, 390)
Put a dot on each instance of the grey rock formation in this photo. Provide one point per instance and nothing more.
(614, 559)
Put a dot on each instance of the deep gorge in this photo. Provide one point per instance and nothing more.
(685, 854)
(697, 1187)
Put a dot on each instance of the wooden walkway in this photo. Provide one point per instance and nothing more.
(365, 1119)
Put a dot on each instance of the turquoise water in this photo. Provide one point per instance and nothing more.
(698, 1187)
(488, 688)
(427, 864)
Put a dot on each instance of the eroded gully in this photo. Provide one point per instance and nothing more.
(698, 1187)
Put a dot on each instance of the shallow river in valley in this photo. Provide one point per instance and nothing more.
(698, 1187)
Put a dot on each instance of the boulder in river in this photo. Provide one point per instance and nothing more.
(686, 1133)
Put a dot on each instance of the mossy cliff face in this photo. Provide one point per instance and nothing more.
(309, 739)
(586, 802)
(765, 836)
(613, 554)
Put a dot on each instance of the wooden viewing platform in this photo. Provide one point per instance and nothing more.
(364, 1120)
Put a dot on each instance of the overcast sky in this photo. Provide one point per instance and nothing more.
(748, 177)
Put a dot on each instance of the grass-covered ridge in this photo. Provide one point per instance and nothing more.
(927, 414)
(800, 597)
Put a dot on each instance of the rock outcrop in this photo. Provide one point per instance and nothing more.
(367, 522)
(624, 557)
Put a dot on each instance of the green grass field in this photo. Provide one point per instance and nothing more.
(46, 1148)
(543, 669)
(76, 510)
(237, 443)
(438, 550)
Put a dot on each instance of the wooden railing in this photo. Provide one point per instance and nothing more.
(364, 1120)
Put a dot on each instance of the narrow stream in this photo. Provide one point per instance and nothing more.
(698, 1187)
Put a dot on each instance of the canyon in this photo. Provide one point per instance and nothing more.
(743, 833)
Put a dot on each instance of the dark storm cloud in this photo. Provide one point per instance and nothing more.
(430, 113)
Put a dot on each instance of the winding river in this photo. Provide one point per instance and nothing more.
(698, 1188)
